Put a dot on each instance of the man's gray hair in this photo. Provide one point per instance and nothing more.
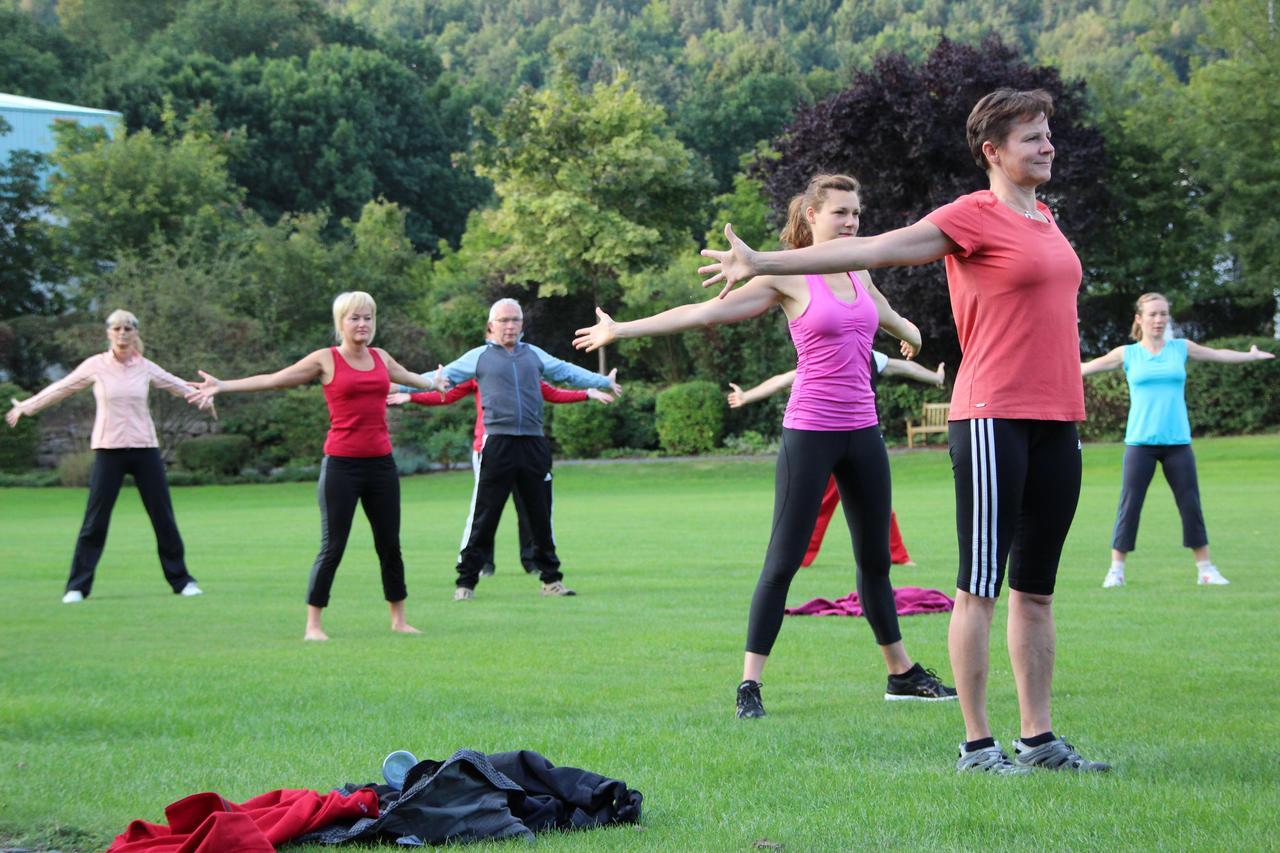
(493, 309)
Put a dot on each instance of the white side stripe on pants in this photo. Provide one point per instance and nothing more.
(477, 457)
(985, 555)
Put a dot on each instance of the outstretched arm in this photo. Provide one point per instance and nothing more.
(751, 300)
(765, 389)
(307, 369)
(916, 244)
(1111, 361)
(81, 377)
(1199, 352)
(911, 370)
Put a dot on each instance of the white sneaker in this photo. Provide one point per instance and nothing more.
(75, 596)
(1212, 577)
(191, 589)
(464, 593)
(1115, 577)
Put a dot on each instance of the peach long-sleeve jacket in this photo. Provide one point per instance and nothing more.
(120, 389)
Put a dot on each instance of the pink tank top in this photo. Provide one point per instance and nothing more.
(832, 390)
(357, 409)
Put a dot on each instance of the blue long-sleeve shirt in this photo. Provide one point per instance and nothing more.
(510, 383)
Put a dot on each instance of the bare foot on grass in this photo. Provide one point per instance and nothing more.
(315, 634)
(404, 628)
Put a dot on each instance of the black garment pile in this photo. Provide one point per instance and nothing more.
(473, 796)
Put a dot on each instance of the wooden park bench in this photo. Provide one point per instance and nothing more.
(933, 419)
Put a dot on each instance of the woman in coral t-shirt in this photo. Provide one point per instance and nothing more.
(1015, 452)
(357, 465)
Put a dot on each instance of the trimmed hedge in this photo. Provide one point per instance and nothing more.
(215, 454)
(636, 424)
(584, 430)
(18, 446)
(281, 427)
(690, 417)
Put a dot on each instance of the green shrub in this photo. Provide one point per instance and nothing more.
(448, 447)
(1228, 399)
(178, 477)
(18, 445)
(583, 430)
(215, 454)
(635, 423)
(690, 417)
(1106, 407)
(750, 443)
(38, 478)
(74, 468)
(281, 427)
(413, 426)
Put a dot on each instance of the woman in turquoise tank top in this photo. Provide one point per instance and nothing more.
(1159, 431)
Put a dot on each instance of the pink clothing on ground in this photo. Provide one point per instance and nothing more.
(832, 390)
(120, 388)
(1013, 285)
(908, 600)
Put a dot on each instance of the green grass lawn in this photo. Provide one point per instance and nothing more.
(112, 709)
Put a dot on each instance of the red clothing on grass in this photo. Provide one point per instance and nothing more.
(206, 823)
(830, 500)
(1012, 273)
(907, 600)
(357, 409)
(550, 393)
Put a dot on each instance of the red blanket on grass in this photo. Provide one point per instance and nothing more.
(908, 600)
(206, 823)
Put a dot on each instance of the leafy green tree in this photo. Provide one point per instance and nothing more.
(29, 270)
(591, 184)
(38, 60)
(1231, 112)
(126, 194)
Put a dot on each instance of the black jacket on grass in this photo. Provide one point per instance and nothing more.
(473, 796)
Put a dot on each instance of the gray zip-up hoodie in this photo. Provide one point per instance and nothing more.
(509, 383)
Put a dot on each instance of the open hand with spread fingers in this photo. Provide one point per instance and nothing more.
(731, 266)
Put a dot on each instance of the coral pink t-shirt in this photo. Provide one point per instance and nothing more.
(1013, 285)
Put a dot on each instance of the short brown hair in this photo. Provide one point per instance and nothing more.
(991, 118)
(796, 233)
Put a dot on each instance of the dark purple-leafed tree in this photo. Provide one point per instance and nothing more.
(899, 129)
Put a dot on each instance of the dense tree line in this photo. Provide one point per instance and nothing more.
(441, 154)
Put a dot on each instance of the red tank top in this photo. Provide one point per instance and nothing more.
(357, 409)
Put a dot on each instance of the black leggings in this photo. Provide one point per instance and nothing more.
(375, 483)
(860, 465)
(1179, 465)
(109, 468)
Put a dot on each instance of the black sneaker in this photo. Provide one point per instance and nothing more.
(749, 704)
(486, 571)
(918, 684)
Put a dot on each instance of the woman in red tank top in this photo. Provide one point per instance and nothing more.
(357, 466)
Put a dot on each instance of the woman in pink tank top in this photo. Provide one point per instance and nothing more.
(357, 465)
(830, 428)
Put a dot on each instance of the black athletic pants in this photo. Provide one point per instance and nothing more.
(1179, 465)
(109, 468)
(860, 465)
(519, 463)
(1017, 486)
(375, 484)
(527, 548)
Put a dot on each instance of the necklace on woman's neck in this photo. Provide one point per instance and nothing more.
(1029, 214)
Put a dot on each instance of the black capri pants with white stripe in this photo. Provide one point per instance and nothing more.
(375, 484)
(1017, 486)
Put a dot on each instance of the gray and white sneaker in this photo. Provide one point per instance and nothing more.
(990, 759)
(1057, 754)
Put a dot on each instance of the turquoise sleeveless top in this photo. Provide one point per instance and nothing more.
(1157, 403)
